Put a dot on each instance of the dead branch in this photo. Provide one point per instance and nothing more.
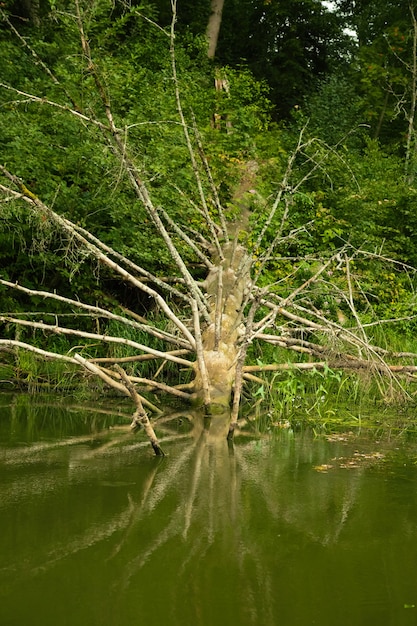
(94, 311)
(180, 232)
(140, 417)
(14, 343)
(284, 188)
(135, 359)
(68, 227)
(149, 383)
(209, 221)
(345, 362)
(213, 187)
(39, 61)
(118, 145)
(62, 107)
(98, 371)
(62, 330)
(154, 384)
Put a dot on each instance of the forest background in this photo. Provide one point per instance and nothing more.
(329, 88)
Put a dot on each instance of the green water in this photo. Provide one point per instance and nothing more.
(289, 529)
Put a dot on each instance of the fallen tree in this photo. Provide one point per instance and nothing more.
(212, 322)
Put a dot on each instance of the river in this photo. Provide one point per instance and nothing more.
(284, 529)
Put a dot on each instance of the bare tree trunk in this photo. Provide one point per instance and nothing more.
(213, 26)
(226, 286)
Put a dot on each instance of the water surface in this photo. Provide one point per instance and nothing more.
(287, 529)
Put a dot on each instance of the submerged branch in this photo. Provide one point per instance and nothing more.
(140, 417)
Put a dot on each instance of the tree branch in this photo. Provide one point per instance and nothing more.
(61, 330)
(96, 311)
(140, 417)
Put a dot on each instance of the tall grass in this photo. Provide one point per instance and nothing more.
(319, 398)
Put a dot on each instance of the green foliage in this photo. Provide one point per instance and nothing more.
(288, 44)
(336, 93)
(83, 180)
(382, 67)
(379, 211)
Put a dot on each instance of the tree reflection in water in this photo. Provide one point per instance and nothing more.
(209, 532)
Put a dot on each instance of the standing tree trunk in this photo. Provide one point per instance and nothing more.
(213, 26)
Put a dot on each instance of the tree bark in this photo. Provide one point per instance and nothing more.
(213, 26)
(226, 287)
